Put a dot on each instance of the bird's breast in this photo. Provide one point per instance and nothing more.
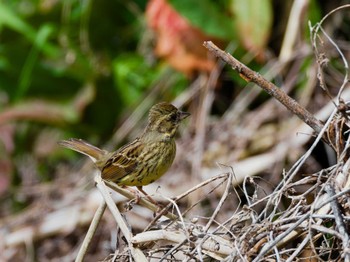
(155, 159)
(160, 162)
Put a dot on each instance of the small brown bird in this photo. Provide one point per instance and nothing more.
(143, 160)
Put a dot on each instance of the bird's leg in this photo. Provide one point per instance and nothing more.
(138, 197)
(135, 193)
(148, 197)
(160, 206)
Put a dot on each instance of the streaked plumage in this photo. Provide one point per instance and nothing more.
(143, 160)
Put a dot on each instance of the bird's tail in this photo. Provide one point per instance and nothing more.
(83, 147)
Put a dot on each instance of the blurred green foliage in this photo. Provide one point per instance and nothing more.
(51, 50)
(212, 17)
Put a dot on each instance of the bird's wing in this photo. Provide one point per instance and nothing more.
(122, 162)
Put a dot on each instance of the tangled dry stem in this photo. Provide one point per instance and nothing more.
(313, 224)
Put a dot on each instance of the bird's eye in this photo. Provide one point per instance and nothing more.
(173, 117)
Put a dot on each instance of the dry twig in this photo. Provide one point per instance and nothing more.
(251, 76)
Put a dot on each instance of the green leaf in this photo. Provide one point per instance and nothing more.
(13, 21)
(131, 76)
(253, 21)
(26, 74)
(10, 19)
(207, 16)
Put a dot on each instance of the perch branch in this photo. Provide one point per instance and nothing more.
(135, 252)
(142, 202)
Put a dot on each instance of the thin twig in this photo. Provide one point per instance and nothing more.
(222, 201)
(340, 222)
(215, 213)
(298, 250)
(135, 252)
(296, 167)
(92, 229)
(179, 197)
(292, 31)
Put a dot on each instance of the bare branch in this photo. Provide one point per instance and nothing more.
(251, 76)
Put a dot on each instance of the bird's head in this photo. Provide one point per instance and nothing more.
(164, 118)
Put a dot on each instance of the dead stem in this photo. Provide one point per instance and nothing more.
(251, 76)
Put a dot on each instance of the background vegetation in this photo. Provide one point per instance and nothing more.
(92, 69)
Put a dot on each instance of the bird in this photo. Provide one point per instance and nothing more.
(143, 160)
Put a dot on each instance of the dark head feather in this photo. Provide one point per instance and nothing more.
(165, 118)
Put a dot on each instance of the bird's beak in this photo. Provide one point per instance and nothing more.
(183, 115)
